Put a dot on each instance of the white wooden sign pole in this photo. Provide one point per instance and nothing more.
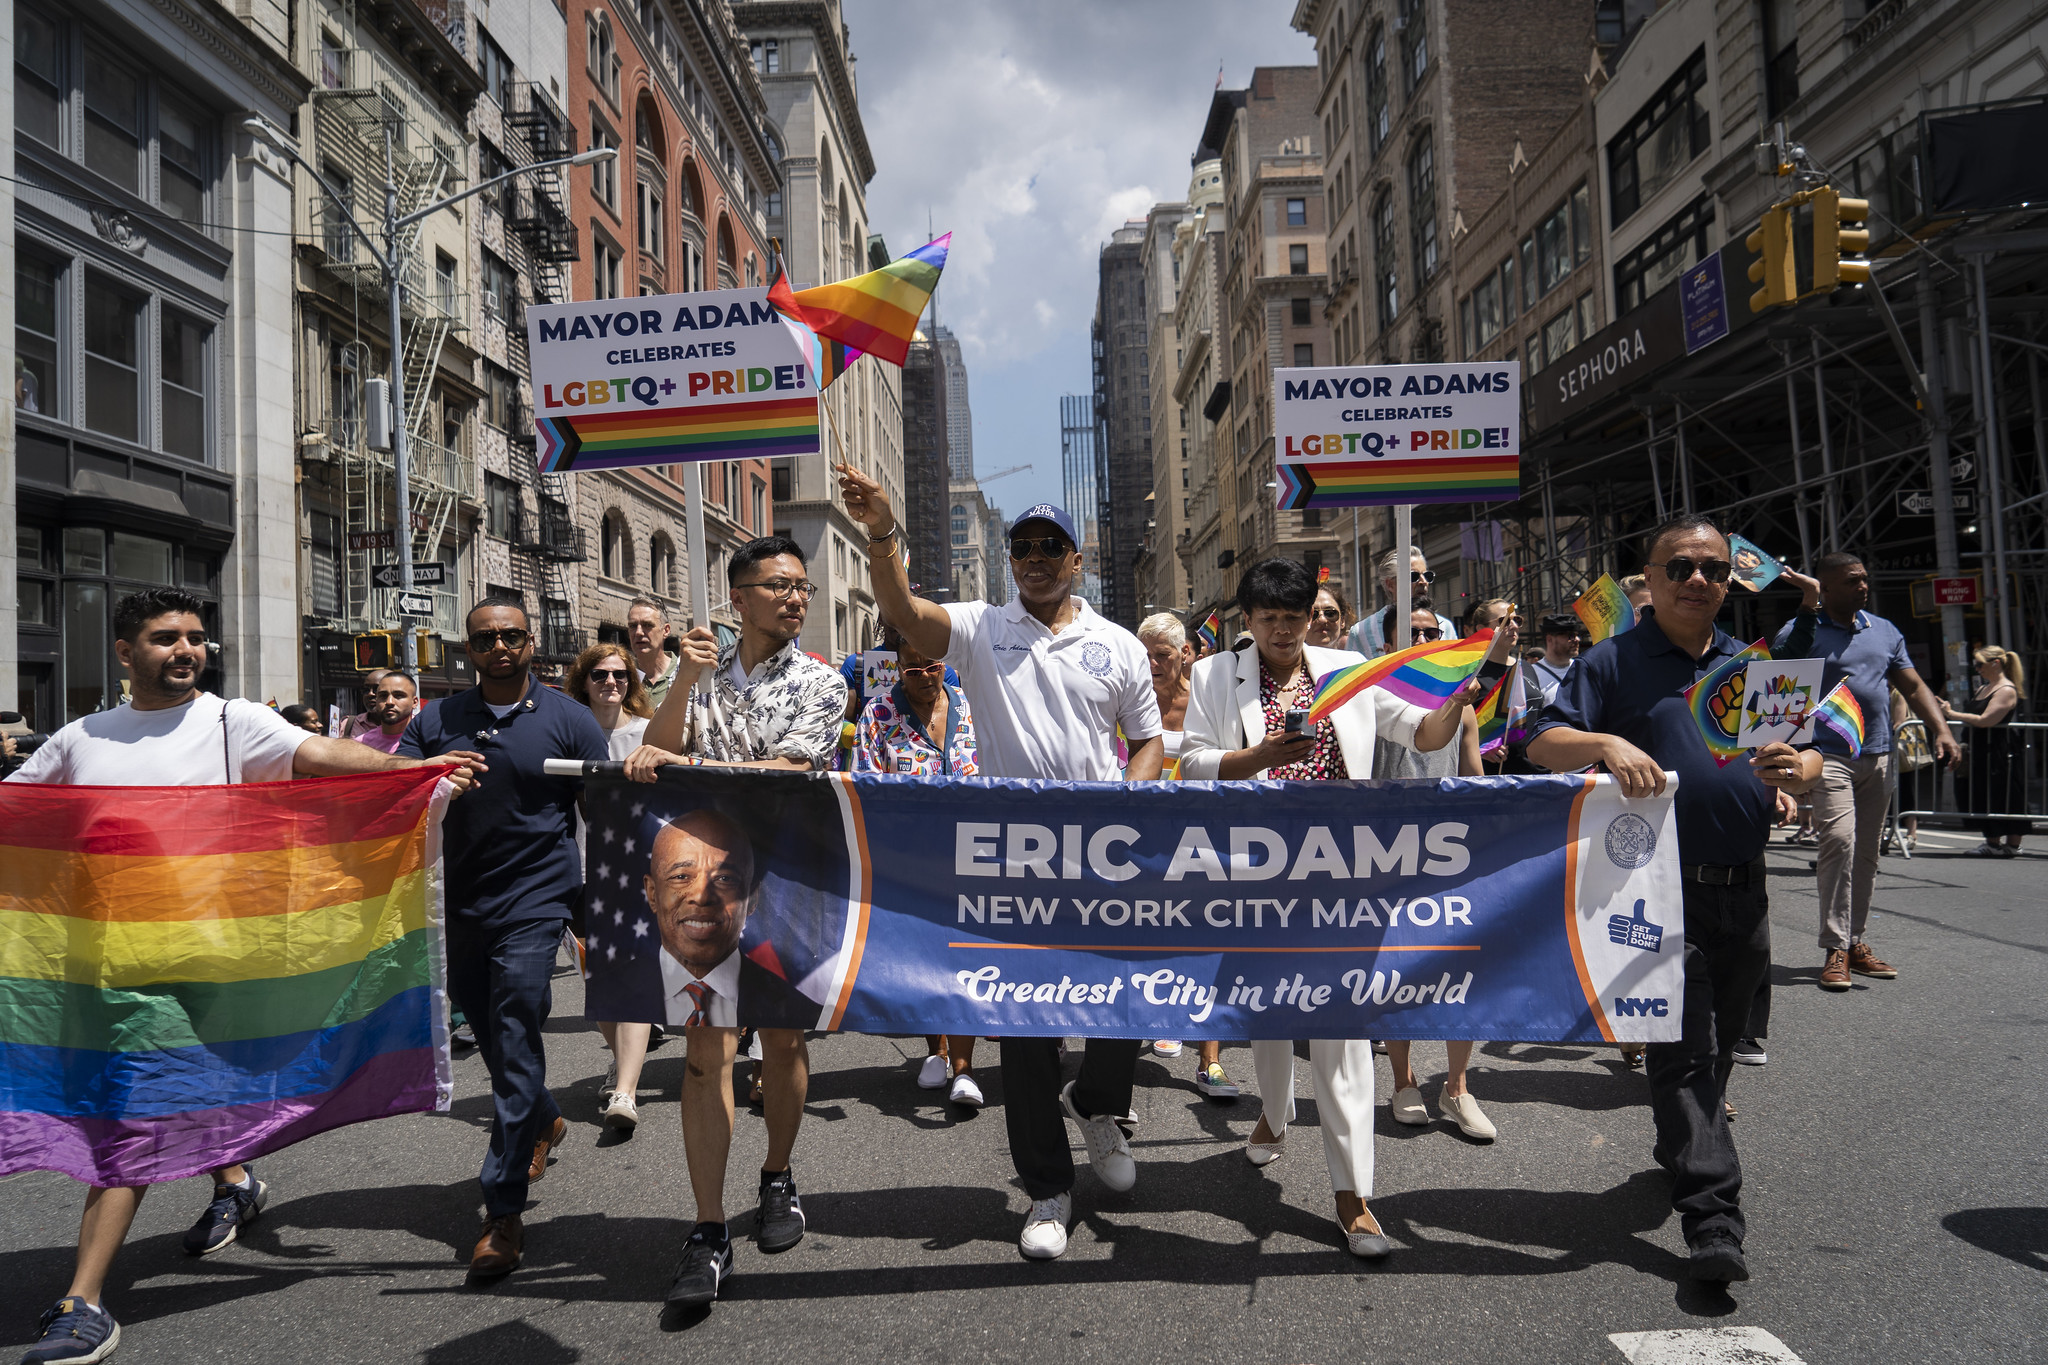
(1404, 592)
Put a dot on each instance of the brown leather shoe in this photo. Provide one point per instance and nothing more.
(555, 1137)
(1835, 975)
(1863, 962)
(499, 1248)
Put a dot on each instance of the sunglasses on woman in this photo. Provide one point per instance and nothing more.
(610, 675)
(1326, 614)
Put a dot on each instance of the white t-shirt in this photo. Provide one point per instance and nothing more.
(180, 746)
(1048, 706)
(624, 740)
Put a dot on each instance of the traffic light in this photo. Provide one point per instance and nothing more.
(374, 649)
(1832, 242)
(430, 649)
(1773, 267)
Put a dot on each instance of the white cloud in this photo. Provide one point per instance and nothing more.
(1031, 132)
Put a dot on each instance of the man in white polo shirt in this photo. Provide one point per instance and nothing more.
(1050, 683)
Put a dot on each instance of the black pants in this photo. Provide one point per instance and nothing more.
(1727, 953)
(500, 977)
(1031, 1103)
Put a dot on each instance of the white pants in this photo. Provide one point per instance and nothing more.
(1343, 1071)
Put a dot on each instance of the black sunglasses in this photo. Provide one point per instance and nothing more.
(608, 675)
(1679, 568)
(483, 641)
(1423, 634)
(1048, 547)
(1326, 614)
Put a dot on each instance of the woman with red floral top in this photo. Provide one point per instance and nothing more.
(923, 728)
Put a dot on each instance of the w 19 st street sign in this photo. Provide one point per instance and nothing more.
(393, 575)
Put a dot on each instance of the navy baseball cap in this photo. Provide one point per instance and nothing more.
(1045, 511)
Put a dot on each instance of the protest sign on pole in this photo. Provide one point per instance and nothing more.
(669, 379)
(1524, 908)
(1384, 435)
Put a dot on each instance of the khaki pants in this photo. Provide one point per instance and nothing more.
(1848, 812)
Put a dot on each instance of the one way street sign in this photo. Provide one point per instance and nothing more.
(415, 604)
(393, 575)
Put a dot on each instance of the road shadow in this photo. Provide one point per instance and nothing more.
(508, 1341)
(2018, 1234)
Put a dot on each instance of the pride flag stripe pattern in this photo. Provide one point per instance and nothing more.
(753, 430)
(1840, 712)
(1422, 676)
(878, 312)
(1210, 632)
(1499, 715)
(1361, 483)
(195, 976)
(1715, 700)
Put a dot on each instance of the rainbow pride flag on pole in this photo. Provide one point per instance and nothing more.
(1605, 609)
(1839, 711)
(196, 976)
(1715, 700)
(1210, 632)
(1422, 676)
(877, 312)
(1500, 714)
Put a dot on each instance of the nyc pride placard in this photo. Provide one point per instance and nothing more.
(669, 378)
(1382, 435)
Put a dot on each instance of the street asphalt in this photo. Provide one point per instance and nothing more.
(1896, 1190)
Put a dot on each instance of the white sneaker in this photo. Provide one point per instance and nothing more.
(1464, 1111)
(1167, 1047)
(620, 1111)
(1109, 1152)
(1409, 1109)
(932, 1075)
(611, 1079)
(1045, 1227)
(966, 1092)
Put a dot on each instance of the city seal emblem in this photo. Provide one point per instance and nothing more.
(1095, 658)
(1631, 842)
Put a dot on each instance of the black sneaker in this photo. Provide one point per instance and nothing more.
(1748, 1052)
(780, 1223)
(1718, 1260)
(233, 1208)
(703, 1269)
(74, 1332)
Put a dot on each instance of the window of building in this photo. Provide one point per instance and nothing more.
(1386, 261)
(780, 475)
(1534, 362)
(337, 212)
(657, 565)
(1553, 249)
(759, 494)
(447, 282)
(602, 55)
(1660, 141)
(767, 54)
(1781, 55)
(333, 61)
(501, 505)
(1510, 294)
(1528, 272)
(183, 361)
(1415, 41)
(113, 359)
(604, 175)
(1654, 263)
(326, 565)
(113, 119)
(495, 67)
(1297, 259)
(501, 397)
(1304, 355)
(181, 138)
(1486, 315)
(1377, 113)
(37, 308)
(773, 205)
(1582, 224)
(490, 164)
(1300, 312)
(501, 288)
(614, 559)
(647, 218)
(38, 77)
(1297, 213)
(1589, 316)
(1465, 327)
(1560, 334)
(605, 260)
(1422, 208)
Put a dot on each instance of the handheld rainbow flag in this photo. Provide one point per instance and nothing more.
(877, 312)
(829, 359)
(1839, 711)
(1500, 714)
(1210, 632)
(1715, 701)
(191, 977)
(1605, 609)
(1422, 676)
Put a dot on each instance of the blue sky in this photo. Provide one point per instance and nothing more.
(1031, 131)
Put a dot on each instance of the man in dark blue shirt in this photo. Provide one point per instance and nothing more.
(1623, 707)
(1854, 793)
(511, 876)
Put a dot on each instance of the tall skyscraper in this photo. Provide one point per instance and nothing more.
(959, 420)
(1123, 407)
(1077, 470)
(924, 467)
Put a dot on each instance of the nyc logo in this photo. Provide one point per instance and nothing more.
(1780, 701)
(1634, 931)
(1626, 1006)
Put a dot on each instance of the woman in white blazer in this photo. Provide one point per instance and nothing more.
(1236, 704)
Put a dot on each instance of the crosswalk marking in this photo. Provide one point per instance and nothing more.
(1704, 1346)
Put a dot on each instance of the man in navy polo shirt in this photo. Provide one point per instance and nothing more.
(1622, 707)
(1854, 793)
(511, 875)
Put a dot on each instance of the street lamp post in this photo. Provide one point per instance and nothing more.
(387, 261)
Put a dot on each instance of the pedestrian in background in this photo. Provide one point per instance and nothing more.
(1052, 683)
(647, 634)
(1330, 619)
(305, 717)
(605, 679)
(1624, 707)
(1996, 779)
(353, 725)
(1369, 637)
(389, 705)
(1867, 652)
(512, 878)
(1560, 652)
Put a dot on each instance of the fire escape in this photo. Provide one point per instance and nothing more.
(547, 538)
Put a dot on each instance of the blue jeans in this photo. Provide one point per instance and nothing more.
(500, 977)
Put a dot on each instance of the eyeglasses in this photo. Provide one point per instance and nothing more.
(1423, 576)
(1679, 569)
(617, 675)
(924, 669)
(1423, 634)
(782, 587)
(1326, 614)
(484, 641)
(1048, 547)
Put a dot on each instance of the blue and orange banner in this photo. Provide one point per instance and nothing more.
(1523, 908)
(196, 976)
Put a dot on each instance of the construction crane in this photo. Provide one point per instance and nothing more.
(1001, 473)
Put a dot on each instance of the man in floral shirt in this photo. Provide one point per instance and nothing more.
(768, 705)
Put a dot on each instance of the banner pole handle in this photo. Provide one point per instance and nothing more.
(1404, 537)
(700, 569)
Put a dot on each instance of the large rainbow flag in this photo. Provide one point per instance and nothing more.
(1422, 676)
(195, 976)
(878, 312)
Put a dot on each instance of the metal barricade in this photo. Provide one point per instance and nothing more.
(2003, 775)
